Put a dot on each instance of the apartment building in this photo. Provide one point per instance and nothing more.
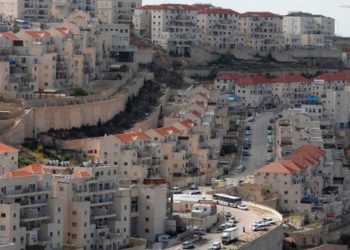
(173, 26)
(220, 28)
(32, 10)
(30, 216)
(295, 177)
(226, 82)
(8, 158)
(262, 30)
(298, 23)
(113, 11)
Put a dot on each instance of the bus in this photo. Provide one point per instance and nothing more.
(227, 200)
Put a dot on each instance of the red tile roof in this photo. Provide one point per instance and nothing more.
(188, 123)
(229, 76)
(63, 30)
(39, 34)
(339, 76)
(133, 136)
(168, 7)
(81, 173)
(259, 14)
(216, 11)
(164, 131)
(280, 167)
(300, 159)
(196, 113)
(7, 149)
(204, 95)
(290, 78)
(35, 168)
(200, 6)
(254, 80)
(10, 36)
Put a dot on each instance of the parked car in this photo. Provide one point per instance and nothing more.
(230, 223)
(228, 215)
(246, 153)
(270, 221)
(176, 190)
(242, 206)
(269, 132)
(240, 168)
(251, 119)
(196, 192)
(269, 127)
(247, 128)
(269, 158)
(194, 187)
(247, 132)
(259, 227)
(215, 246)
(223, 226)
(187, 245)
(269, 149)
(272, 121)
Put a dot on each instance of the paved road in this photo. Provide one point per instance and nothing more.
(258, 151)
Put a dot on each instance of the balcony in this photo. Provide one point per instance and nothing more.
(32, 204)
(101, 202)
(26, 191)
(33, 215)
(102, 213)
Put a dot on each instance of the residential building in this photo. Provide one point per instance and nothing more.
(8, 158)
(33, 10)
(298, 23)
(113, 11)
(174, 26)
(220, 28)
(262, 30)
(30, 216)
(294, 177)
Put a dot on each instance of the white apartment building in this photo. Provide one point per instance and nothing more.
(8, 158)
(299, 23)
(173, 26)
(295, 177)
(29, 10)
(30, 216)
(220, 28)
(117, 11)
(262, 30)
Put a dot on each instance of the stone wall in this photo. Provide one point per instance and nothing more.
(43, 118)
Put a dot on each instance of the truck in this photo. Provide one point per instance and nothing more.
(229, 235)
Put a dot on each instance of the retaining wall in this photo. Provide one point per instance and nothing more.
(43, 118)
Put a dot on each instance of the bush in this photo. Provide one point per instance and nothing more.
(25, 159)
(79, 92)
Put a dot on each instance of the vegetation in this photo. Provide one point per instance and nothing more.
(79, 92)
(15, 28)
(25, 158)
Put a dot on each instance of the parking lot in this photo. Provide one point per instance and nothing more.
(245, 220)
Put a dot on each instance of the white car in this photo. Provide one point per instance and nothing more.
(268, 221)
(242, 207)
(259, 227)
(215, 246)
(230, 224)
(187, 245)
(231, 220)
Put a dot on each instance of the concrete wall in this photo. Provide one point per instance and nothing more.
(42, 118)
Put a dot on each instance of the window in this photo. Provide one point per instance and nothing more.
(146, 219)
(3, 215)
(14, 227)
(74, 224)
(146, 230)
(285, 201)
(147, 207)
(2, 227)
(148, 197)
(59, 209)
(285, 192)
(74, 212)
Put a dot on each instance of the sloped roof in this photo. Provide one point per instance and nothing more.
(165, 131)
(10, 36)
(4, 148)
(259, 14)
(132, 136)
(229, 76)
